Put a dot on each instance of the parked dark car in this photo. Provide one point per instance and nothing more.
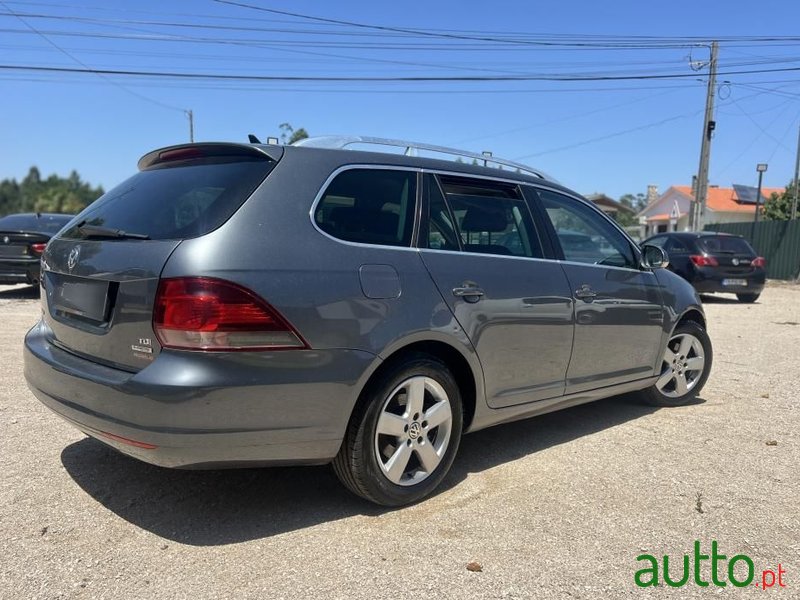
(248, 304)
(23, 238)
(715, 262)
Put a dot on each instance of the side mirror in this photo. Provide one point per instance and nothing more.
(654, 257)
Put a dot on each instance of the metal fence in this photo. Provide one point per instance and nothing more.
(777, 241)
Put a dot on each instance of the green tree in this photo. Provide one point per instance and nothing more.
(779, 206)
(54, 194)
(290, 135)
(635, 202)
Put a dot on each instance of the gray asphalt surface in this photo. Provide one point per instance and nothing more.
(555, 507)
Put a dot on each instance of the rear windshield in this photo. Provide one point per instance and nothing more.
(177, 201)
(725, 245)
(49, 224)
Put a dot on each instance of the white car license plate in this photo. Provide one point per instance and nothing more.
(739, 282)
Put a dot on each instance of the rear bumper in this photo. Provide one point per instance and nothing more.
(202, 410)
(19, 271)
(710, 280)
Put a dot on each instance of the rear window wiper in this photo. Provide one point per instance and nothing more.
(99, 232)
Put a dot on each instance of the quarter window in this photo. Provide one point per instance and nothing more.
(584, 235)
(371, 206)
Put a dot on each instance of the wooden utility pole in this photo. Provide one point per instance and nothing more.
(705, 147)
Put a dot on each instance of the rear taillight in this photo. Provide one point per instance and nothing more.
(37, 249)
(202, 313)
(704, 261)
(759, 262)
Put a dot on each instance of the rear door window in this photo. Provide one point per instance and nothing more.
(480, 216)
(178, 200)
(723, 244)
(369, 206)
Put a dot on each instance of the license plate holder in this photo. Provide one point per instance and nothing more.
(81, 297)
(734, 282)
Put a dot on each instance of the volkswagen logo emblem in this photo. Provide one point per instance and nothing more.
(73, 257)
(6, 239)
(735, 262)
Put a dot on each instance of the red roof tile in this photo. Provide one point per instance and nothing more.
(726, 200)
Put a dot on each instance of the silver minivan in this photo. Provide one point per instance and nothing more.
(248, 304)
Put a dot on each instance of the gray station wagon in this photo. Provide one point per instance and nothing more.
(250, 304)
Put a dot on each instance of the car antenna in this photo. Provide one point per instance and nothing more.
(253, 139)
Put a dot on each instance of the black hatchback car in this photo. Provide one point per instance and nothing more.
(23, 238)
(715, 262)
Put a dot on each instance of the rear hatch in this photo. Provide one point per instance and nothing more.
(101, 274)
(733, 254)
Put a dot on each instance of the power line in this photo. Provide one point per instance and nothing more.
(87, 67)
(640, 42)
(623, 132)
(609, 136)
(407, 78)
(224, 86)
(563, 119)
(761, 131)
(759, 127)
(690, 40)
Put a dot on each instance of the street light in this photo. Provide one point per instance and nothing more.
(761, 168)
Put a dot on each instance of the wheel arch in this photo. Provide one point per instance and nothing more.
(463, 364)
(691, 314)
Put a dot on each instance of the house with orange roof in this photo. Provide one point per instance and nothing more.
(670, 211)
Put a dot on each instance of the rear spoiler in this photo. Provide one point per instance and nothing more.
(209, 150)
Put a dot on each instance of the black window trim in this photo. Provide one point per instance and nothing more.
(375, 167)
(423, 241)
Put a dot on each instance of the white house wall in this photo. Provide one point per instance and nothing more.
(729, 217)
(663, 206)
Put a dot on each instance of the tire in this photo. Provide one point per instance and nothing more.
(679, 384)
(384, 433)
(748, 298)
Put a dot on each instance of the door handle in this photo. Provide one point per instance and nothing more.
(585, 292)
(470, 293)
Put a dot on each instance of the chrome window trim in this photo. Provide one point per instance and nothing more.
(506, 256)
(547, 260)
(596, 266)
(374, 167)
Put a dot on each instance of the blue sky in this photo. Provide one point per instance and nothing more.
(606, 136)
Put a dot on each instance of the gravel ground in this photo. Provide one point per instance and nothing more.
(558, 506)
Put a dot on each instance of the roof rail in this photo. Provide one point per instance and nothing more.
(411, 149)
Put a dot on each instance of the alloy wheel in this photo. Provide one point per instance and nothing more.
(413, 430)
(682, 366)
